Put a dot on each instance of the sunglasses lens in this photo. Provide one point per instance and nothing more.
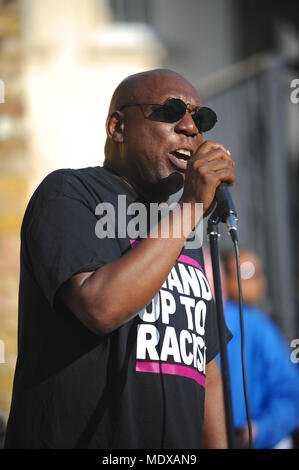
(205, 119)
(174, 109)
(171, 111)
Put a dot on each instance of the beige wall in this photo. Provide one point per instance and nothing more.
(60, 61)
(14, 176)
(74, 59)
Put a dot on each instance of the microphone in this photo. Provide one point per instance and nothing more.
(226, 210)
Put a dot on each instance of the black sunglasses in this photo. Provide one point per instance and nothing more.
(175, 109)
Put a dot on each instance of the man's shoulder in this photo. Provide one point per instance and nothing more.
(62, 183)
(69, 182)
(87, 186)
(66, 181)
(256, 321)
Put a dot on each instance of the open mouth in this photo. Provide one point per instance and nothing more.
(179, 159)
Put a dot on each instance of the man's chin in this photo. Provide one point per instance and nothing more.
(167, 186)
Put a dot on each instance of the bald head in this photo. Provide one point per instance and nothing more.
(146, 87)
(253, 280)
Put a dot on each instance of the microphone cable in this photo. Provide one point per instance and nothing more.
(227, 214)
(249, 424)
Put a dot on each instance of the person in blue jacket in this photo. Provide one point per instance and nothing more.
(272, 378)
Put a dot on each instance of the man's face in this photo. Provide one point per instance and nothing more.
(153, 150)
(253, 279)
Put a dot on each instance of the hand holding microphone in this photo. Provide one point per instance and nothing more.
(208, 169)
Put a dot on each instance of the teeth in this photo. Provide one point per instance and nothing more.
(184, 152)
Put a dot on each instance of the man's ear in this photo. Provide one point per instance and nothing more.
(115, 127)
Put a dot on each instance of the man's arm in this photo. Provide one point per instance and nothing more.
(105, 299)
(214, 417)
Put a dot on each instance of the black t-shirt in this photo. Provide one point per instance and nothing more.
(142, 386)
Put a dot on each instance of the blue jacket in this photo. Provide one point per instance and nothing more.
(272, 379)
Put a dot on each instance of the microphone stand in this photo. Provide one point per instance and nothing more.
(213, 234)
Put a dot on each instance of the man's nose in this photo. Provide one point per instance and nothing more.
(186, 125)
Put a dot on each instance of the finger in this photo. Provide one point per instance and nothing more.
(217, 154)
(209, 145)
(214, 166)
(226, 175)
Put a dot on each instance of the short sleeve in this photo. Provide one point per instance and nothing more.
(212, 338)
(61, 241)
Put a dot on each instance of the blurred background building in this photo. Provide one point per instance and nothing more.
(60, 61)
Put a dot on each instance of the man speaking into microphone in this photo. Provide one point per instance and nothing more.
(118, 337)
